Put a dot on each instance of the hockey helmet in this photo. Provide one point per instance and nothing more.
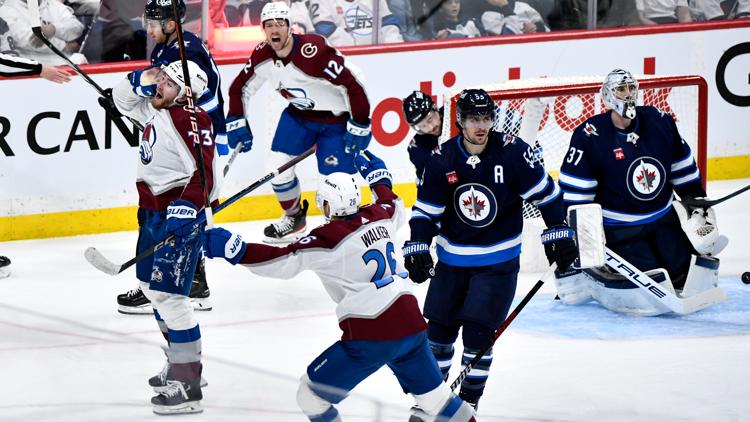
(275, 10)
(198, 78)
(620, 92)
(417, 106)
(474, 102)
(159, 10)
(342, 194)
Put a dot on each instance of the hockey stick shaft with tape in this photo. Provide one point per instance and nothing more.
(95, 258)
(697, 202)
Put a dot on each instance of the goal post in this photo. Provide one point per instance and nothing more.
(545, 111)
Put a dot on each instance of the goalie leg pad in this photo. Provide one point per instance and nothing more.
(618, 294)
(702, 275)
(586, 219)
(573, 287)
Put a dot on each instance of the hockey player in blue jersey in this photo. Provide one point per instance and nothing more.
(470, 200)
(631, 160)
(159, 20)
(425, 118)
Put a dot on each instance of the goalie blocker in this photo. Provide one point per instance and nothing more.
(621, 287)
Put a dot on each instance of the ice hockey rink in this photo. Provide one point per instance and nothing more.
(67, 355)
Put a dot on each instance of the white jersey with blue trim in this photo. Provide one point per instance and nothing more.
(211, 101)
(632, 173)
(473, 203)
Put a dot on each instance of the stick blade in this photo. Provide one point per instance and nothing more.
(95, 258)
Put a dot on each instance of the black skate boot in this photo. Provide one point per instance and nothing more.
(179, 397)
(199, 292)
(160, 381)
(4, 264)
(471, 399)
(134, 302)
(289, 229)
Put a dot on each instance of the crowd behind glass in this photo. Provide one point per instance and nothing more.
(94, 31)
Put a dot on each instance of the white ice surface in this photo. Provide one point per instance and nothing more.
(67, 355)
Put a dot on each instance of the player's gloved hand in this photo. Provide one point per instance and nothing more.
(239, 134)
(560, 245)
(418, 261)
(357, 136)
(108, 104)
(222, 243)
(181, 216)
(143, 82)
(373, 169)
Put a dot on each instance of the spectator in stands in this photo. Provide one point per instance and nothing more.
(449, 22)
(710, 10)
(655, 12)
(244, 12)
(573, 14)
(407, 12)
(350, 22)
(59, 26)
(504, 17)
(117, 33)
(301, 22)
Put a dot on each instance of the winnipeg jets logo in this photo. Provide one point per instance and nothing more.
(148, 140)
(475, 204)
(296, 97)
(590, 129)
(358, 21)
(646, 178)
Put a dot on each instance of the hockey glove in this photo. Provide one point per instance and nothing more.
(357, 137)
(143, 85)
(418, 261)
(239, 134)
(560, 245)
(108, 104)
(181, 216)
(373, 169)
(222, 243)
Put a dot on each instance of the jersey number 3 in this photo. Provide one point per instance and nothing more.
(380, 260)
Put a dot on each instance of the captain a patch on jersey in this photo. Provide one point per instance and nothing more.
(645, 178)
(475, 204)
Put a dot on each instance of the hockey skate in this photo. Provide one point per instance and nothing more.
(4, 267)
(160, 381)
(134, 302)
(178, 397)
(199, 292)
(289, 229)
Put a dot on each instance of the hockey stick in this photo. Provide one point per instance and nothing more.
(696, 202)
(33, 6)
(674, 303)
(422, 19)
(197, 144)
(95, 258)
(232, 157)
(511, 316)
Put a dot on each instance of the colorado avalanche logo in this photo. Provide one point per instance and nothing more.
(646, 178)
(148, 140)
(297, 97)
(475, 205)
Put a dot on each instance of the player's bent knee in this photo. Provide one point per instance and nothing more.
(311, 404)
(175, 310)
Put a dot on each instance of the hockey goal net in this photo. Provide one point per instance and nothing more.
(545, 111)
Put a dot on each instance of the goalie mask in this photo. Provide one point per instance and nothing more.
(341, 193)
(198, 78)
(474, 102)
(620, 92)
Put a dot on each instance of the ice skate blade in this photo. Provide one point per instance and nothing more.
(180, 409)
(136, 310)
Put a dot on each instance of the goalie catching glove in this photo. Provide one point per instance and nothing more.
(560, 246)
(699, 224)
(418, 261)
(221, 243)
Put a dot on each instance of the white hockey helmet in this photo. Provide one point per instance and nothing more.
(341, 192)
(198, 78)
(275, 10)
(620, 92)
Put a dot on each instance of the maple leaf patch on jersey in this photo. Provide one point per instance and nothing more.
(475, 204)
(646, 178)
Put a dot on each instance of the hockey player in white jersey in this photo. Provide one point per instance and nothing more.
(632, 160)
(355, 257)
(351, 22)
(171, 193)
(328, 108)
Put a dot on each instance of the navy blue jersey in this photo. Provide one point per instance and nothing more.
(632, 173)
(212, 101)
(474, 203)
(420, 148)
